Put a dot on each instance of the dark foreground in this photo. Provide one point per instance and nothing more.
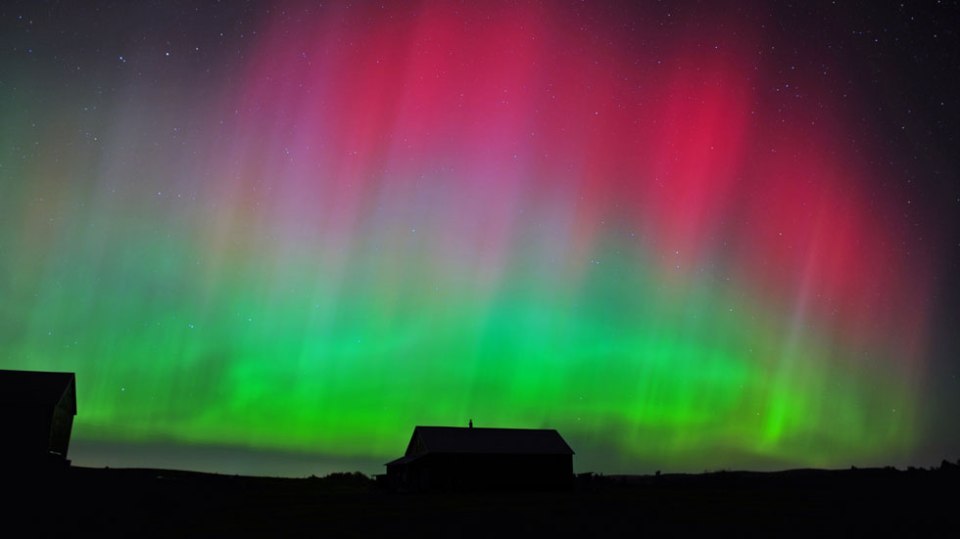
(84, 502)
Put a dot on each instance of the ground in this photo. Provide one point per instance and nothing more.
(81, 502)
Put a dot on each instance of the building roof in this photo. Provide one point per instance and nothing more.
(402, 460)
(32, 389)
(435, 440)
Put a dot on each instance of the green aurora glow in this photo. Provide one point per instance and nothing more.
(222, 263)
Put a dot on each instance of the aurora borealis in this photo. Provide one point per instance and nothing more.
(294, 227)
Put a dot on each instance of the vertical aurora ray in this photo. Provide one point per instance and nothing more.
(416, 216)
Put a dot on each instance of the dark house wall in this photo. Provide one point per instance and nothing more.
(62, 425)
(36, 417)
(461, 471)
(26, 431)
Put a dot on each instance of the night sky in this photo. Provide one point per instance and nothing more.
(273, 237)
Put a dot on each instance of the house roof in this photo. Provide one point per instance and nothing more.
(402, 460)
(487, 441)
(32, 389)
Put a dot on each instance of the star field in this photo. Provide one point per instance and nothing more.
(686, 236)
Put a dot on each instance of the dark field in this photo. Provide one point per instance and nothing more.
(89, 502)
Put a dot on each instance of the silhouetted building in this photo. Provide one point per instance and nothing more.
(36, 416)
(453, 458)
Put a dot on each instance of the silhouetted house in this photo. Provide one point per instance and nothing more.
(453, 458)
(36, 416)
